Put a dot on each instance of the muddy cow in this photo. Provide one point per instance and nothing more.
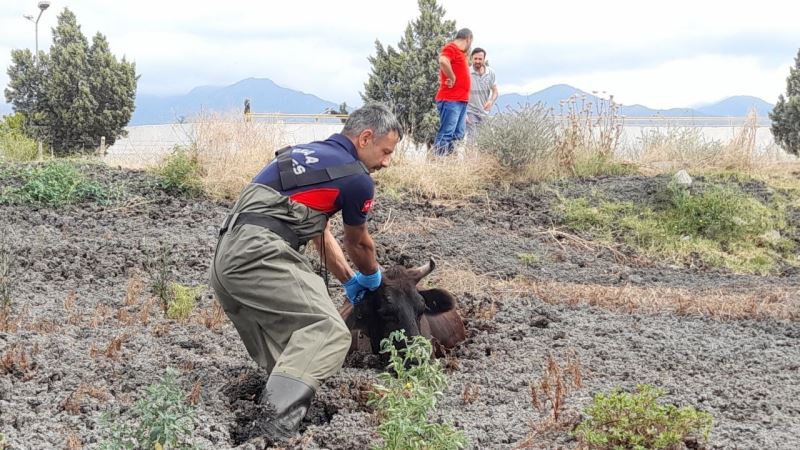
(399, 304)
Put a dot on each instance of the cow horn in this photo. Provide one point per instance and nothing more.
(418, 273)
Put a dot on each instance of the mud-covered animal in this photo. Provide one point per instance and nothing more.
(399, 304)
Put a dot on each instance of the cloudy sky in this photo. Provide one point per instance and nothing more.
(660, 54)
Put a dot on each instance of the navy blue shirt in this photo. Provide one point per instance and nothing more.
(352, 194)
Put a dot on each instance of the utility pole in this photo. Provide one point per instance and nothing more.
(43, 4)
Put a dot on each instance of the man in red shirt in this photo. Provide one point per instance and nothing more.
(453, 94)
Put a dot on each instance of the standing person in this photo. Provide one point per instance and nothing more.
(265, 284)
(483, 91)
(453, 94)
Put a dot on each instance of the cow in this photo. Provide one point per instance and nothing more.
(399, 304)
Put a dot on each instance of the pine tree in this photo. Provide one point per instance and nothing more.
(407, 78)
(786, 114)
(76, 93)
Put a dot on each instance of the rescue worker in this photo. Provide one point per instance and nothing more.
(269, 290)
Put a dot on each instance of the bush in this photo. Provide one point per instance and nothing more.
(520, 137)
(54, 183)
(621, 420)
(162, 419)
(14, 145)
(181, 172)
(182, 300)
(404, 402)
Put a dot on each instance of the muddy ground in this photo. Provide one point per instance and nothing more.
(87, 349)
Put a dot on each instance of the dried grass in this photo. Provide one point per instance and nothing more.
(775, 302)
(212, 317)
(134, 288)
(74, 441)
(232, 150)
(18, 362)
(114, 348)
(778, 302)
(74, 401)
(456, 177)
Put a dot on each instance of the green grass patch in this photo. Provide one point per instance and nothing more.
(54, 183)
(181, 172)
(404, 397)
(720, 226)
(620, 420)
(528, 259)
(589, 165)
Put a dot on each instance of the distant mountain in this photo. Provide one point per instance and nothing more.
(264, 95)
(738, 106)
(551, 98)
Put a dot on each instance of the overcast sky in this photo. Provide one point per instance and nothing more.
(660, 54)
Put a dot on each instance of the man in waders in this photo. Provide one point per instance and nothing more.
(269, 290)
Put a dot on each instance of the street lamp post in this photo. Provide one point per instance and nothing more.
(44, 4)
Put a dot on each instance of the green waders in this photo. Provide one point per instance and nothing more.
(269, 290)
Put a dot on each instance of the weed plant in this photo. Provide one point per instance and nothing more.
(181, 172)
(407, 393)
(182, 300)
(621, 420)
(160, 420)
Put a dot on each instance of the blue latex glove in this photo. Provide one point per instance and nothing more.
(354, 290)
(370, 282)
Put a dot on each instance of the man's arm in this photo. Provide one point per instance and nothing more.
(360, 248)
(444, 65)
(493, 98)
(334, 256)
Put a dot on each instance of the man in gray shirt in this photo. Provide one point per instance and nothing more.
(483, 91)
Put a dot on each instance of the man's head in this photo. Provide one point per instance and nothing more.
(478, 58)
(464, 37)
(375, 133)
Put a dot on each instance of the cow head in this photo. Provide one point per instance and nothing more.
(398, 304)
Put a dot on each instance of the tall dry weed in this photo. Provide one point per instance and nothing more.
(231, 151)
(454, 177)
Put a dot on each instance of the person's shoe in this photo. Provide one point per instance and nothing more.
(289, 400)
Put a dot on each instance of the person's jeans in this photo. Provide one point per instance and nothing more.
(452, 118)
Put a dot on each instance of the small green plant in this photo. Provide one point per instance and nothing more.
(621, 420)
(53, 183)
(181, 171)
(528, 259)
(160, 420)
(182, 300)
(404, 401)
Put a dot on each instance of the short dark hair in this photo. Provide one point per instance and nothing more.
(464, 33)
(478, 50)
(373, 116)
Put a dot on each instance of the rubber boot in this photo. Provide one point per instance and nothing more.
(290, 399)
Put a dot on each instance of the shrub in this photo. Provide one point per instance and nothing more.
(637, 421)
(520, 137)
(162, 419)
(182, 300)
(54, 183)
(181, 171)
(159, 268)
(14, 145)
(405, 400)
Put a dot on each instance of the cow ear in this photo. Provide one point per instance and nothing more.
(438, 301)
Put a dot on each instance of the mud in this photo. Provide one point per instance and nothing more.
(76, 329)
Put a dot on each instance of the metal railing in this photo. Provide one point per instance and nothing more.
(298, 118)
